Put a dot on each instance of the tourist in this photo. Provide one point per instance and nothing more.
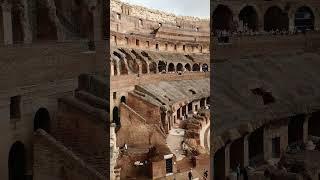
(205, 174)
(238, 172)
(190, 174)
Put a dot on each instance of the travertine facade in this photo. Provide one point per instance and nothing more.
(159, 68)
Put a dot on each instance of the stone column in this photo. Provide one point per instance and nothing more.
(7, 23)
(112, 69)
(181, 114)
(97, 24)
(148, 68)
(140, 69)
(305, 128)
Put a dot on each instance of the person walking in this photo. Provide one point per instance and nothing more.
(190, 174)
(238, 171)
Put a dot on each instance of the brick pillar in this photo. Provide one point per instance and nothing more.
(7, 23)
(227, 160)
(246, 150)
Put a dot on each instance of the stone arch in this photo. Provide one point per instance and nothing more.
(46, 28)
(123, 99)
(205, 67)
(153, 67)
(304, 18)
(16, 18)
(222, 18)
(171, 67)
(162, 66)
(42, 120)
(17, 161)
(123, 67)
(275, 18)
(179, 67)
(196, 67)
(115, 116)
(144, 67)
(249, 17)
(187, 67)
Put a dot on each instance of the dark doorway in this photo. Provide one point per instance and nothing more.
(17, 161)
(153, 67)
(222, 18)
(314, 124)
(256, 147)
(237, 154)
(190, 107)
(295, 129)
(123, 99)
(205, 68)
(219, 165)
(249, 18)
(304, 19)
(275, 19)
(169, 168)
(171, 67)
(179, 67)
(115, 115)
(196, 67)
(42, 120)
(276, 147)
(162, 66)
(187, 67)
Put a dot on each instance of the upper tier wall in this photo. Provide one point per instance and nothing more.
(185, 22)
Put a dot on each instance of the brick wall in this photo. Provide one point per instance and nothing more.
(53, 161)
(134, 131)
(82, 127)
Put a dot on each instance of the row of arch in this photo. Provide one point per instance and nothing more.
(17, 154)
(274, 18)
(122, 67)
(48, 21)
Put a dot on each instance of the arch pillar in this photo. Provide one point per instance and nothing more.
(7, 23)
(148, 68)
(140, 69)
(112, 69)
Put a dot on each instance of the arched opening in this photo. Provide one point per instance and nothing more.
(202, 102)
(42, 120)
(208, 100)
(187, 67)
(256, 147)
(205, 68)
(123, 99)
(153, 67)
(179, 67)
(196, 67)
(171, 67)
(144, 67)
(1, 28)
(295, 129)
(304, 19)
(314, 124)
(46, 29)
(162, 66)
(237, 154)
(17, 161)
(17, 30)
(275, 19)
(123, 67)
(249, 18)
(115, 116)
(190, 107)
(222, 18)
